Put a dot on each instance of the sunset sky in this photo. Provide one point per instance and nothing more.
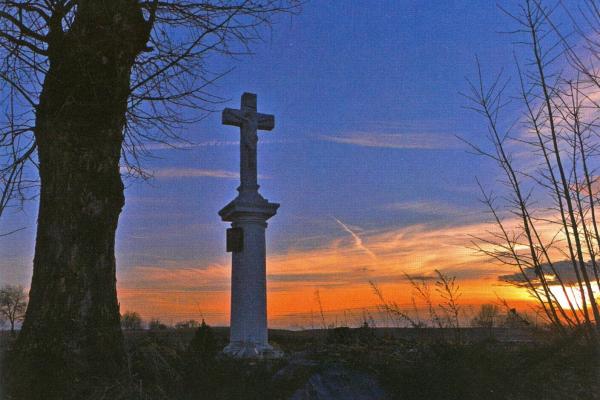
(364, 159)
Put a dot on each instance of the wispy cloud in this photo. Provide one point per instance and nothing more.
(358, 242)
(186, 277)
(182, 145)
(167, 173)
(170, 173)
(425, 207)
(423, 141)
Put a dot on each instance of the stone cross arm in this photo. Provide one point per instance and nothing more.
(265, 122)
(247, 115)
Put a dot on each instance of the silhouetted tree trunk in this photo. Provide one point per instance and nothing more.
(97, 92)
(72, 321)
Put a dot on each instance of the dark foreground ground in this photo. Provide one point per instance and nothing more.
(361, 363)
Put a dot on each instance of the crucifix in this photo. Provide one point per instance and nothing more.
(249, 121)
(248, 214)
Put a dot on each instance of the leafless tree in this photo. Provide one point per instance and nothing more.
(13, 303)
(555, 242)
(85, 85)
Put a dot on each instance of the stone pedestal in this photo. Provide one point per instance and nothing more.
(248, 214)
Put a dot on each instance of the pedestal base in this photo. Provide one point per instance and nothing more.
(251, 350)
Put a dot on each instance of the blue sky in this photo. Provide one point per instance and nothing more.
(367, 106)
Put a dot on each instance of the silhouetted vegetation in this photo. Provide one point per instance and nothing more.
(155, 324)
(131, 321)
(562, 369)
(405, 363)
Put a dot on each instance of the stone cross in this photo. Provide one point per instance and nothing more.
(249, 121)
(248, 214)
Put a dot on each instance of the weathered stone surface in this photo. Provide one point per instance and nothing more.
(249, 121)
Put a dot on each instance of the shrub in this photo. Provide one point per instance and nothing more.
(131, 321)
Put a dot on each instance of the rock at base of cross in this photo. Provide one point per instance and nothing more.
(338, 382)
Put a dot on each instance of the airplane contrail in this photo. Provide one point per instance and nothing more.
(358, 242)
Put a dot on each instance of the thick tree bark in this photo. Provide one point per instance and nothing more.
(71, 333)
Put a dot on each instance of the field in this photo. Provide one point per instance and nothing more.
(360, 363)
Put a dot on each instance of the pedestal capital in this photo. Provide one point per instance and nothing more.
(257, 208)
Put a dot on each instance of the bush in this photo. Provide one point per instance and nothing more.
(339, 335)
(131, 321)
(155, 325)
(204, 346)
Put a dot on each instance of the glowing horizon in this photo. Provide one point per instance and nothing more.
(340, 270)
